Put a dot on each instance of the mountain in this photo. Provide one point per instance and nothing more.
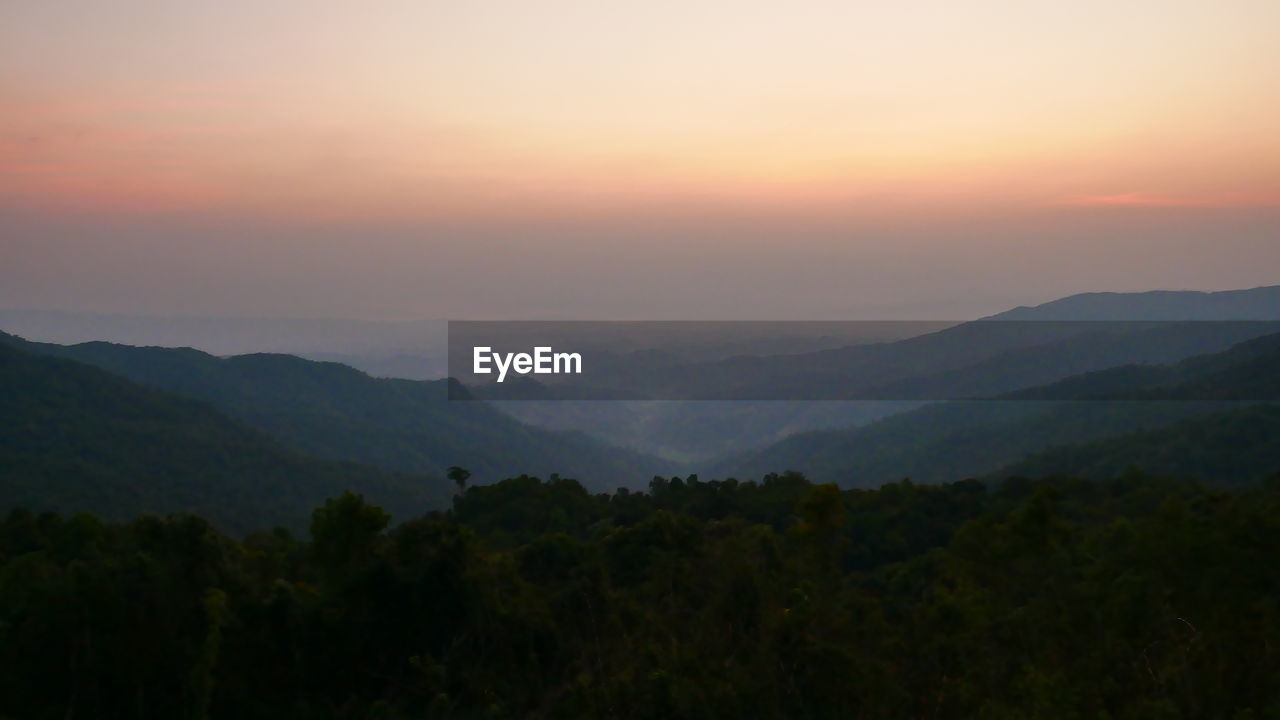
(76, 438)
(947, 441)
(398, 349)
(1022, 348)
(980, 357)
(1111, 345)
(770, 397)
(695, 432)
(230, 335)
(333, 411)
(1260, 303)
(1246, 372)
(1234, 447)
(953, 440)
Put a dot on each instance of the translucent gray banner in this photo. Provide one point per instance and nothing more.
(864, 360)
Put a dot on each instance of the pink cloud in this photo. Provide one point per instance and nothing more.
(1143, 200)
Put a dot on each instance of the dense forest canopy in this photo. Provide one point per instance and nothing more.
(1138, 597)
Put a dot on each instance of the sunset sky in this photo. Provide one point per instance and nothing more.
(654, 159)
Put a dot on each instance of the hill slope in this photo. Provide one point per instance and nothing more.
(1020, 348)
(1234, 447)
(949, 441)
(334, 411)
(76, 438)
(1260, 303)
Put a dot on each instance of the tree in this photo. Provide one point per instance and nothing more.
(459, 476)
(345, 530)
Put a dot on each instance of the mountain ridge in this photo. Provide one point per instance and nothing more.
(1257, 303)
(333, 411)
(74, 437)
(954, 440)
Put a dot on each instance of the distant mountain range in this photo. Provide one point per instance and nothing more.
(414, 350)
(976, 358)
(335, 412)
(1176, 383)
(769, 397)
(954, 440)
(1260, 303)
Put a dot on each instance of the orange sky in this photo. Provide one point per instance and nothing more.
(666, 159)
(424, 109)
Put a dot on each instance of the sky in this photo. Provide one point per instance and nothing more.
(701, 159)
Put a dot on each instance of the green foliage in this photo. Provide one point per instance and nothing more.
(1235, 447)
(73, 437)
(346, 531)
(1136, 597)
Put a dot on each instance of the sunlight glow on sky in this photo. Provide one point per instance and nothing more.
(433, 107)
(508, 111)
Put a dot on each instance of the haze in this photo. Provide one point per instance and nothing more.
(807, 160)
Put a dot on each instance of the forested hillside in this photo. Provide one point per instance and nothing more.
(950, 441)
(1133, 581)
(1235, 447)
(333, 411)
(75, 438)
(1132, 598)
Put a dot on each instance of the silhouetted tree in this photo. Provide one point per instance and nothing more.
(459, 476)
